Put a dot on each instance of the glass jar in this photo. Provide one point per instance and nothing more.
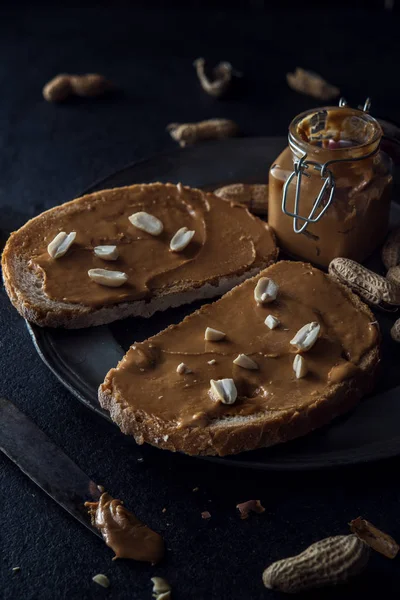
(329, 190)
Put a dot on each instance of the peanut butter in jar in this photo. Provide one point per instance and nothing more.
(329, 190)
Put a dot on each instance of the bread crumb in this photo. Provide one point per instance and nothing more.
(164, 510)
(206, 515)
(140, 459)
(250, 506)
(160, 397)
(211, 362)
(102, 580)
(15, 569)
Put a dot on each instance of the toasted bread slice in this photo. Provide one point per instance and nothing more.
(157, 401)
(229, 245)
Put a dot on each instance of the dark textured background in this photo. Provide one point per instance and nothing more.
(49, 154)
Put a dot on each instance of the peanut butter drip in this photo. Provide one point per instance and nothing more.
(123, 532)
(147, 377)
(228, 240)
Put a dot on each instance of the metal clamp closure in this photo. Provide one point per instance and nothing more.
(328, 185)
(328, 179)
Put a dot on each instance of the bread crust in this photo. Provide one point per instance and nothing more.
(24, 286)
(234, 435)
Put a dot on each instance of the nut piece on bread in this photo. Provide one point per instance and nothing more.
(181, 239)
(265, 291)
(223, 390)
(277, 401)
(106, 252)
(214, 335)
(148, 223)
(61, 244)
(133, 226)
(108, 278)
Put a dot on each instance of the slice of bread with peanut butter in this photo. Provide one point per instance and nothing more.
(131, 251)
(276, 357)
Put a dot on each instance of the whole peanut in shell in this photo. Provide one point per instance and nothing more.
(327, 562)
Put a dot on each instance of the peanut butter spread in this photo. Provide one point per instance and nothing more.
(123, 532)
(228, 240)
(147, 380)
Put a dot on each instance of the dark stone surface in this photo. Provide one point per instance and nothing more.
(49, 154)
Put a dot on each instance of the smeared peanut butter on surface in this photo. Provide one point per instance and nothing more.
(123, 532)
(228, 240)
(146, 378)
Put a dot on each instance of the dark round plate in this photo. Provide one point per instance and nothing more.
(81, 358)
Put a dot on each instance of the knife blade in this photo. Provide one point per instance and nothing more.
(45, 463)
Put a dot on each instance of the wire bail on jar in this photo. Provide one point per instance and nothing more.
(300, 223)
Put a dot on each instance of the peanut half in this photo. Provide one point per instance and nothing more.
(265, 291)
(300, 366)
(244, 361)
(223, 390)
(146, 222)
(102, 580)
(327, 562)
(108, 278)
(306, 337)
(61, 244)
(181, 239)
(106, 252)
(160, 585)
(372, 288)
(213, 335)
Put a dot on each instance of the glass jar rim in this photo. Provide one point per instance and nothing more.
(308, 147)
